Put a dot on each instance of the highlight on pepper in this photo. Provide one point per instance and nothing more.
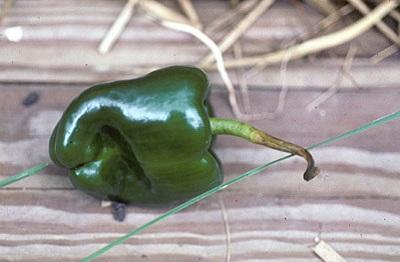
(147, 140)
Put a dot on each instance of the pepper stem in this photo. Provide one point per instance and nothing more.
(221, 126)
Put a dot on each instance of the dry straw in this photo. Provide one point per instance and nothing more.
(252, 10)
(190, 11)
(118, 26)
(238, 30)
(162, 12)
(320, 43)
(230, 16)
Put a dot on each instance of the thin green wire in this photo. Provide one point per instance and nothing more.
(374, 123)
(23, 174)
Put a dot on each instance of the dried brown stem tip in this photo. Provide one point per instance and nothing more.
(221, 126)
(262, 138)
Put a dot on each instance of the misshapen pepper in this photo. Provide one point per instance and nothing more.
(147, 140)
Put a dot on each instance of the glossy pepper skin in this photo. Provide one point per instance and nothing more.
(142, 141)
(147, 141)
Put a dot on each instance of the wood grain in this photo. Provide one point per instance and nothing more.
(267, 229)
(274, 216)
(60, 39)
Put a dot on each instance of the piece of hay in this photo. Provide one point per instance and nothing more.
(230, 16)
(238, 30)
(162, 12)
(118, 26)
(190, 11)
(327, 253)
(317, 44)
(385, 29)
(326, 6)
(385, 53)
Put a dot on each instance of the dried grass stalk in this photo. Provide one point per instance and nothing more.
(242, 81)
(7, 4)
(327, 253)
(385, 29)
(243, 25)
(218, 57)
(385, 53)
(162, 12)
(334, 17)
(395, 15)
(326, 22)
(335, 86)
(220, 66)
(321, 43)
(230, 16)
(118, 26)
(326, 6)
(190, 11)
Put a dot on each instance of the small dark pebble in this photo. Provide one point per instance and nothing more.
(143, 256)
(118, 210)
(31, 99)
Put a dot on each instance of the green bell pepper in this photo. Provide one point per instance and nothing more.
(147, 140)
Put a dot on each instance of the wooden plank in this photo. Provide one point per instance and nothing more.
(60, 39)
(260, 228)
(367, 161)
(319, 74)
(274, 216)
(349, 109)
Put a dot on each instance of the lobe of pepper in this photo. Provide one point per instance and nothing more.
(142, 141)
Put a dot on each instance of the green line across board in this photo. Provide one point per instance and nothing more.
(377, 122)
